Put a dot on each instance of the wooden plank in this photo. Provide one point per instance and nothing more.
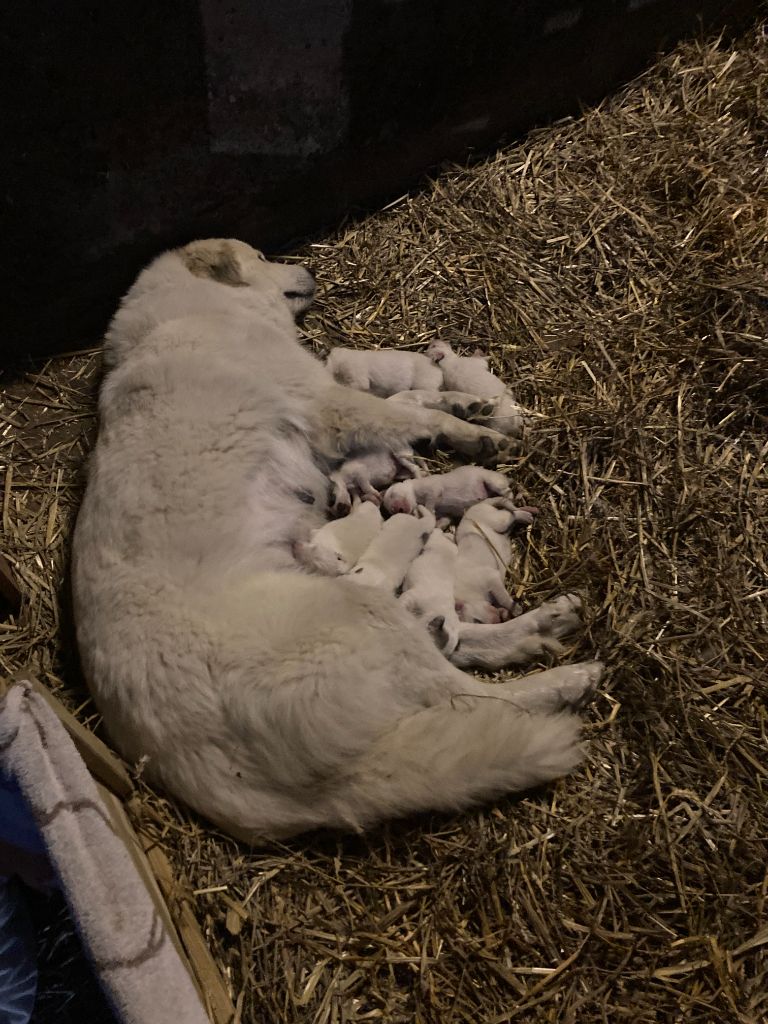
(9, 590)
(215, 993)
(102, 763)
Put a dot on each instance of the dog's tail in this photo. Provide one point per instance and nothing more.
(454, 755)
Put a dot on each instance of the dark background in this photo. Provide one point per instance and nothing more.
(131, 127)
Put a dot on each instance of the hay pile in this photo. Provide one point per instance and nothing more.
(615, 267)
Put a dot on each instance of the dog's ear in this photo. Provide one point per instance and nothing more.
(215, 259)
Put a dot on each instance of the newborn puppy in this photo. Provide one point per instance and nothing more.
(385, 561)
(446, 494)
(471, 373)
(484, 554)
(428, 590)
(334, 548)
(384, 372)
(363, 475)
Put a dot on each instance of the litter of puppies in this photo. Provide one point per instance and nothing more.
(448, 581)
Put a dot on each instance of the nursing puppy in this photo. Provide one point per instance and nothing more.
(365, 474)
(446, 494)
(334, 548)
(428, 590)
(269, 699)
(484, 553)
(388, 557)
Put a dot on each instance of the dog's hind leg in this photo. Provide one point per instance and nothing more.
(566, 687)
(349, 419)
(471, 749)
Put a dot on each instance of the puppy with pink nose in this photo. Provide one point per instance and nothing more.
(448, 495)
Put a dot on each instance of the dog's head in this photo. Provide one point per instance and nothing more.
(211, 276)
(237, 265)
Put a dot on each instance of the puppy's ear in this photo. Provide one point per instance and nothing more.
(216, 259)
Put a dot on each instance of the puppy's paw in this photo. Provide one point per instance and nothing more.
(427, 517)
(521, 519)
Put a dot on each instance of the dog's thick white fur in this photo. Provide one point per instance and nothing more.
(269, 699)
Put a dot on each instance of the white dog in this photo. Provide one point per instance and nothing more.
(269, 699)
(394, 548)
(365, 474)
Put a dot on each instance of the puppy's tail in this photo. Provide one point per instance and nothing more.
(454, 755)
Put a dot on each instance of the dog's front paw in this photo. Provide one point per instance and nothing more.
(495, 448)
(484, 409)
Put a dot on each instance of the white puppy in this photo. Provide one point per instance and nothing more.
(428, 590)
(471, 373)
(270, 699)
(384, 371)
(484, 554)
(447, 494)
(364, 475)
(385, 561)
(335, 547)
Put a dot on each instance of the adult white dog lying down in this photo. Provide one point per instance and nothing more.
(270, 699)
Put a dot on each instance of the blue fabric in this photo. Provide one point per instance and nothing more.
(18, 958)
(17, 826)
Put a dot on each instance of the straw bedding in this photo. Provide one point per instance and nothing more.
(615, 267)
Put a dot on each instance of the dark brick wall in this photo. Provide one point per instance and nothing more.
(133, 126)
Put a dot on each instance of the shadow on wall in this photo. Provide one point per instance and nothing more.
(131, 128)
